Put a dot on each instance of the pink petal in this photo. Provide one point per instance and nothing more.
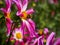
(11, 38)
(46, 30)
(30, 11)
(38, 41)
(50, 39)
(28, 27)
(22, 27)
(26, 33)
(57, 42)
(16, 43)
(3, 9)
(35, 41)
(25, 3)
(8, 2)
(31, 23)
(21, 43)
(18, 4)
(18, 13)
(8, 5)
(8, 24)
(26, 24)
(27, 43)
(31, 39)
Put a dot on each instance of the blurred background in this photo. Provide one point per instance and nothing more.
(46, 15)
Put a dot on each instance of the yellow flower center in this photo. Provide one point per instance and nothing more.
(40, 31)
(8, 15)
(24, 15)
(18, 35)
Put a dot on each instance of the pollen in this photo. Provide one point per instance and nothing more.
(40, 31)
(24, 15)
(18, 35)
(8, 15)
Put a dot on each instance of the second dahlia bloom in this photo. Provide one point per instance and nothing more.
(23, 14)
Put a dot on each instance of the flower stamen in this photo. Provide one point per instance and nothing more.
(24, 15)
(8, 15)
(40, 31)
(18, 35)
